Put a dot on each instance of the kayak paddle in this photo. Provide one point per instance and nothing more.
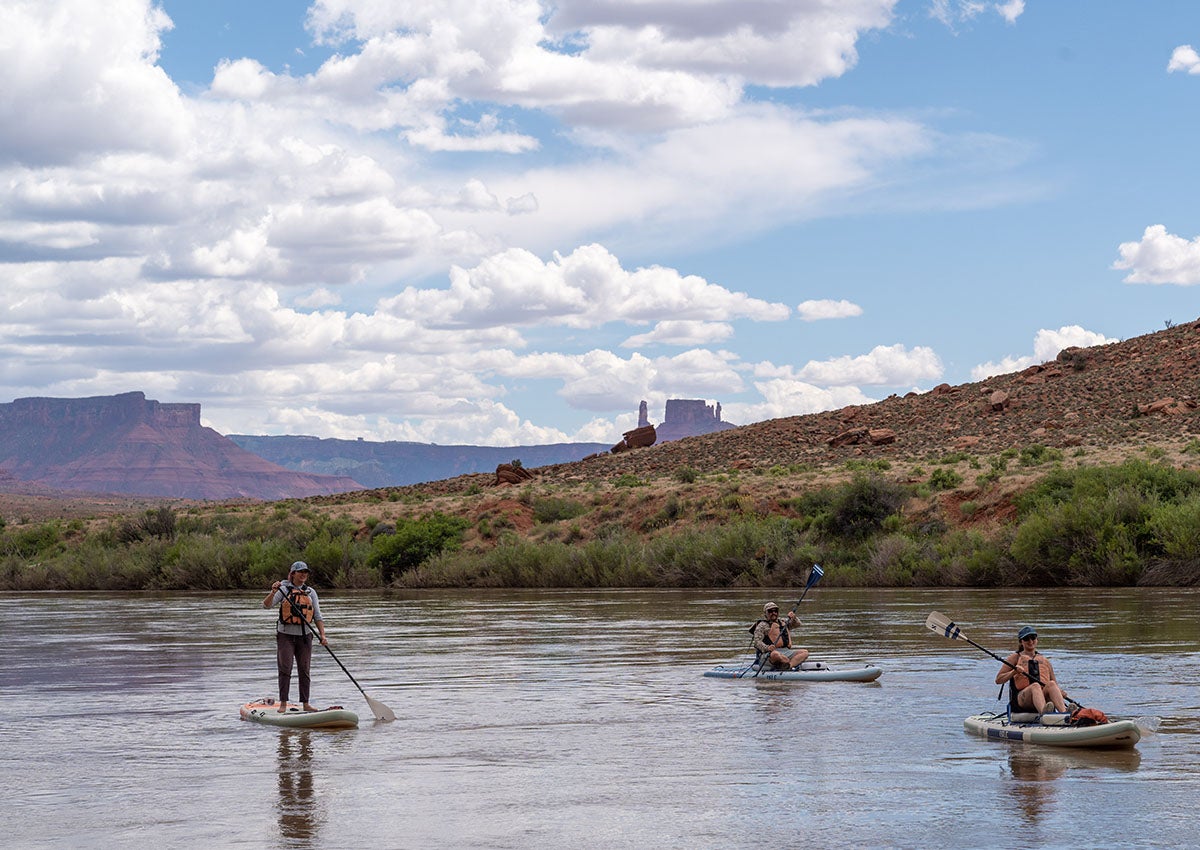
(381, 711)
(944, 626)
(814, 576)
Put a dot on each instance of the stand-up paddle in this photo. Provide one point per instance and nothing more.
(381, 711)
(944, 626)
(814, 576)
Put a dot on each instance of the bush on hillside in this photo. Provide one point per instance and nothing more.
(414, 542)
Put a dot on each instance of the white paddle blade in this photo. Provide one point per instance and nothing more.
(382, 712)
(944, 626)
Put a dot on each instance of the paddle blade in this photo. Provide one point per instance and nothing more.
(814, 576)
(944, 626)
(381, 711)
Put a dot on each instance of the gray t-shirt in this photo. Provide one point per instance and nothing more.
(295, 628)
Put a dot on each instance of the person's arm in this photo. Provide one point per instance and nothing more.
(1007, 672)
(320, 622)
(793, 623)
(271, 597)
(760, 638)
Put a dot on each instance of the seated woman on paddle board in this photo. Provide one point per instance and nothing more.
(299, 614)
(773, 639)
(1040, 698)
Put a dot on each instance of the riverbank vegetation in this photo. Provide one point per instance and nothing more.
(1028, 517)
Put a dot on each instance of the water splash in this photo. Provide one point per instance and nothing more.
(1147, 724)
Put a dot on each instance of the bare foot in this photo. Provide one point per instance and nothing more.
(282, 707)
(308, 707)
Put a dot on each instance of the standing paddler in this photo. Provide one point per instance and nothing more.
(299, 614)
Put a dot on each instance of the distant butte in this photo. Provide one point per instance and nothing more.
(686, 417)
(131, 445)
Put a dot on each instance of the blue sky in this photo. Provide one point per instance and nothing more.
(508, 221)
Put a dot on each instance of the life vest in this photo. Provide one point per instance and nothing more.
(1021, 681)
(296, 604)
(783, 631)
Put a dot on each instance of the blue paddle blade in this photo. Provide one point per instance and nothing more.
(815, 575)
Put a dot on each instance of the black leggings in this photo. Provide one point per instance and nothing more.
(297, 648)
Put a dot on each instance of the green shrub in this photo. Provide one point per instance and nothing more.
(554, 509)
(1037, 454)
(860, 506)
(415, 541)
(29, 541)
(945, 479)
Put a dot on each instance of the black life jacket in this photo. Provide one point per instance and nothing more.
(296, 604)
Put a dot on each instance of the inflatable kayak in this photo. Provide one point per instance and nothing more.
(267, 711)
(1053, 730)
(809, 671)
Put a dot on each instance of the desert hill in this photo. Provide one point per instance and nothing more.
(1110, 397)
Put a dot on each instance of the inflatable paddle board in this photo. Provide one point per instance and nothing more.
(809, 671)
(1053, 731)
(267, 711)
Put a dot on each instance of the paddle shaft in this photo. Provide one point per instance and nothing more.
(953, 631)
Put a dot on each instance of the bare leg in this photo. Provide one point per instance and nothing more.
(799, 656)
(1055, 695)
(1032, 697)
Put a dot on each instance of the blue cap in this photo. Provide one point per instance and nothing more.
(297, 567)
(1026, 631)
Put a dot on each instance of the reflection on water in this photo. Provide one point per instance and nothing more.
(1036, 771)
(561, 719)
(297, 807)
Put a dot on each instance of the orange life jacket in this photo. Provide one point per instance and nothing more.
(296, 604)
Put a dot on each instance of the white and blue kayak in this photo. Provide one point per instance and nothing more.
(809, 671)
(1052, 729)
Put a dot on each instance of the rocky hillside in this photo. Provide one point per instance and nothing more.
(128, 444)
(1119, 395)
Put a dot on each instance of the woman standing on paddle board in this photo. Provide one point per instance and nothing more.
(1029, 665)
(298, 612)
(773, 639)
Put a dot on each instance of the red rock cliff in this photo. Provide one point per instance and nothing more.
(129, 444)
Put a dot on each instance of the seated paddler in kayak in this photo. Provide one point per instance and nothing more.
(1030, 665)
(772, 640)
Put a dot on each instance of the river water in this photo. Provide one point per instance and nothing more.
(571, 719)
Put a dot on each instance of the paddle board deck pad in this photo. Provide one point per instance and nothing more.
(809, 671)
(999, 727)
(267, 711)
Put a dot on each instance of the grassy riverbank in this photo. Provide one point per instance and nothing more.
(1028, 517)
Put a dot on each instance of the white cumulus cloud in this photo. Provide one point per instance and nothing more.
(1184, 58)
(586, 288)
(827, 308)
(1160, 257)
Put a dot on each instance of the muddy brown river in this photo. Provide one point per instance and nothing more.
(581, 719)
